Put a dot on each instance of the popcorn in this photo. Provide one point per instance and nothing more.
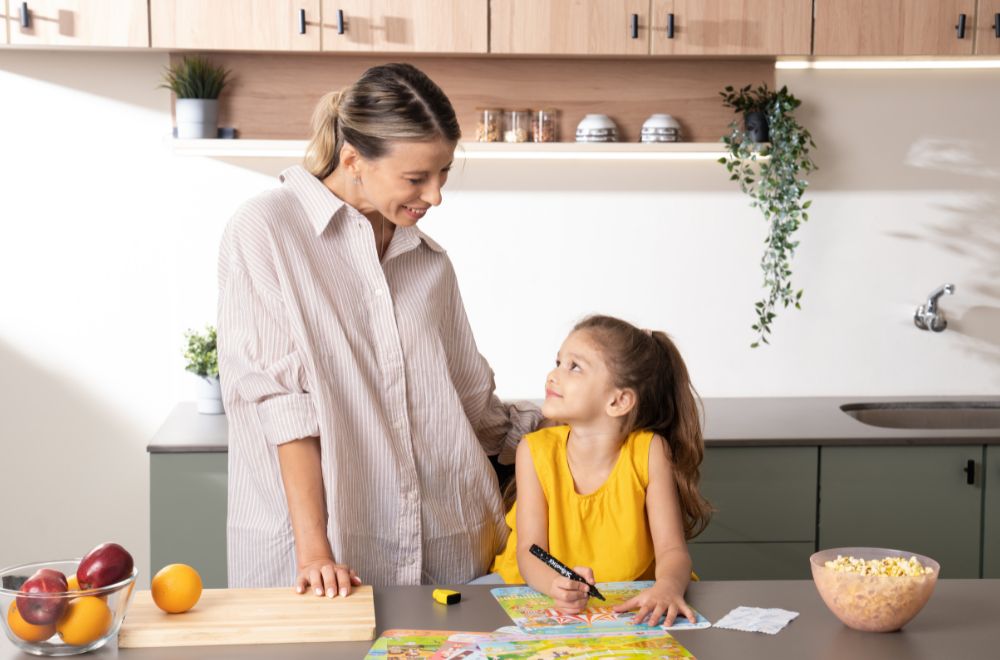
(888, 566)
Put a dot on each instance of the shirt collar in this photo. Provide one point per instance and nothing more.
(321, 205)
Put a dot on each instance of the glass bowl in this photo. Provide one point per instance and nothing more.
(90, 617)
(873, 603)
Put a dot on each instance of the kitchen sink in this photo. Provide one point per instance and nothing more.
(967, 415)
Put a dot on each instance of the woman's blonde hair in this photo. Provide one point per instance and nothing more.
(391, 102)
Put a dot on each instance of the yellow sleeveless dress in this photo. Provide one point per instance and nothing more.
(606, 530)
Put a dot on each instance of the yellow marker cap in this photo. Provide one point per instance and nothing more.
(446, 596)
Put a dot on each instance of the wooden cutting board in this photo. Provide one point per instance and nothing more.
(251, 616)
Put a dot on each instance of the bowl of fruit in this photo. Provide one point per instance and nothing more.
(874, 589)
(70, 606)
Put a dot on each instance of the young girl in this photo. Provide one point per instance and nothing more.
(614, 492)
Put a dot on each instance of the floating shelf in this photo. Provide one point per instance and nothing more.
(473, 150)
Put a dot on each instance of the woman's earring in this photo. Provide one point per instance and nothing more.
(357, 180)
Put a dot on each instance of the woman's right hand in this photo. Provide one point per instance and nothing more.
(571, 596)
(324, 575)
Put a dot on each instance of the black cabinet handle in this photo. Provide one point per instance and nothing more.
(670, 26)
(340, 21)
(996, 25)
(635, 26)
(25, 16)
(961, 26)
(302, 21)
(970, 472)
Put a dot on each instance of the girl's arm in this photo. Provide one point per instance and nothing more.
(533, 528)
(673, 563)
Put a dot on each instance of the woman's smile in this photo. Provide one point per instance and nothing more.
(415, 213)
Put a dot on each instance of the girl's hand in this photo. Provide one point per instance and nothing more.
(325, 575)
(571, 596)
(661, 598)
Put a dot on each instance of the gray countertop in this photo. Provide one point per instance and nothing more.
(959, 621)
(787, 421)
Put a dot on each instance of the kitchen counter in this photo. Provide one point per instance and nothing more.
(773, 421)
(958, 622)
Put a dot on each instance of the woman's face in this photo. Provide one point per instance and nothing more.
(407, 181)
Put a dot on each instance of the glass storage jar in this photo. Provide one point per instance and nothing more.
(545, 125)
(517, 126)
(488, 123)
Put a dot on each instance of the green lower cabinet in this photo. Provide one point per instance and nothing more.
(751, 561)
(188, 513)
(906, 498)
(765, 519)
(991, 513)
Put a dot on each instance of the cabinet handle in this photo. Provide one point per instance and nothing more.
(635, 26)
(970, 472)
(670, 26)
(302, 21)
(996, 25)
(961, 26)
(340, 21)
(25, 16)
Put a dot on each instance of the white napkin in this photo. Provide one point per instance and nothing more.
(756, 619)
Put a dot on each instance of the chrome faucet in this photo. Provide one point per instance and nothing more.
(927, 316)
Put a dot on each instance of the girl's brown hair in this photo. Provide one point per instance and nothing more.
(666, 402)
(391, 102)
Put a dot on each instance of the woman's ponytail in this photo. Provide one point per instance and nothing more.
(323, 152)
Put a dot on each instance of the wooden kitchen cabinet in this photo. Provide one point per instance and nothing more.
(421, 26)
(988, 27)
(187, 516)
(731, 27)
(991, 512)
(569, 27)
(764, 526)
(893, 27)
(80, 23)
(913, 498)
(258, 25)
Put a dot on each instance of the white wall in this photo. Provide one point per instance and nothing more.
(108, 242)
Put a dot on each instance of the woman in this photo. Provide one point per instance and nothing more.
(361, 414)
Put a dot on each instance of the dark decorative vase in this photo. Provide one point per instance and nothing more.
(756, 125)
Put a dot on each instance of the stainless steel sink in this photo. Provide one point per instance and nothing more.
(967, 415)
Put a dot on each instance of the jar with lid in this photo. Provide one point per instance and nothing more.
(545, 125)
(488, 121)
(517, 126)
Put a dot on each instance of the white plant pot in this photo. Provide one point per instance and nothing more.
(197, 119)
(209, 400)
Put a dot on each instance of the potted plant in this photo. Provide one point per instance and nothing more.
(196, 83)
(203, 361)
(773, 175)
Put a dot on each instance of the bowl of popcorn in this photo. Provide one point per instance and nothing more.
(874, 589)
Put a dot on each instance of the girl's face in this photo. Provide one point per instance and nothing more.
(579, 389)
(407, 181)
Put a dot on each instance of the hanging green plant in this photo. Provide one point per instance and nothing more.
(773, 175)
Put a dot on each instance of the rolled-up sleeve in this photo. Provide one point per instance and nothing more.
(259, 363)
(499, 425)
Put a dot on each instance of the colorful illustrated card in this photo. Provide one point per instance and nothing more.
(657, 644)
(408, 644)
(534, 612)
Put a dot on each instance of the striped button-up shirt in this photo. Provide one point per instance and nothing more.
(317, 337)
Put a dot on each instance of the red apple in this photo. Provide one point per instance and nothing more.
(106, 564)
(34, 605)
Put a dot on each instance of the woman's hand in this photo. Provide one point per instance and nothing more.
(325, 575)
(661, 598)
(571, 596)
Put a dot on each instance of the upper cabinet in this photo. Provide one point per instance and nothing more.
(99, 23)
(262, 25)
(988, 28)
(406, 26)
(894, 27)
(731, 27)
(569, 27)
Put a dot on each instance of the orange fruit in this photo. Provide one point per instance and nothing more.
(72, 584)
(176, 588)
(85, 620)
(27, 631)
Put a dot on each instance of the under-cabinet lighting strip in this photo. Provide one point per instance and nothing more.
(888, 64)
